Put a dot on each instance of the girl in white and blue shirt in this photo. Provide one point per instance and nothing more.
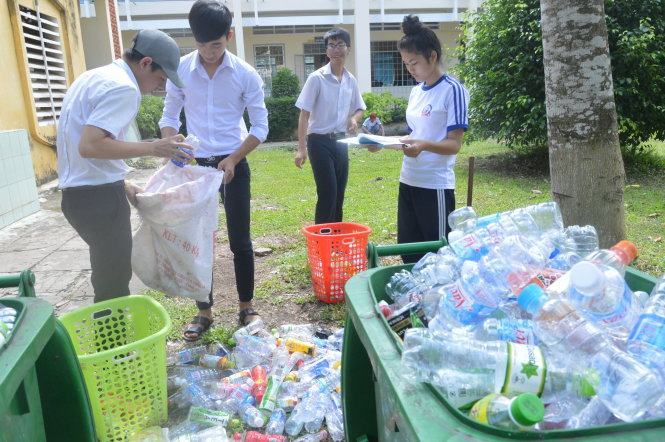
(437, 115)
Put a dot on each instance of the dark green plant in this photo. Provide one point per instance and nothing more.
(147, 118)
(501, 62)
(285, 84)
(388, 108)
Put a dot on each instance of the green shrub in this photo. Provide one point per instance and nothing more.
(282, 118)
(388, 108)
(148, 116)
(501, 62)
(285, 84)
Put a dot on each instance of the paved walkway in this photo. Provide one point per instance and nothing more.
(46, 244)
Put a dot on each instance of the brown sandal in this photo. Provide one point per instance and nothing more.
(244, 313)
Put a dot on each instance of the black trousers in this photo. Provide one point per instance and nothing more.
(422, 215)
(100, 215)
(235, 197)
(330, 164)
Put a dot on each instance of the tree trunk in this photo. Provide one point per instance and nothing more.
(586, 167)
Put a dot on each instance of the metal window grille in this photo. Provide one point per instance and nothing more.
(46, 64)
(267, 58)
(387, 66)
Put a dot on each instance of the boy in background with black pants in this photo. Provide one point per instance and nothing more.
(218, 87)
(330, 104)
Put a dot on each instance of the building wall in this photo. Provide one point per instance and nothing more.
(293, 44)
(18, 105)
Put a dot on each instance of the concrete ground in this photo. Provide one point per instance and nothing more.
(45, 243)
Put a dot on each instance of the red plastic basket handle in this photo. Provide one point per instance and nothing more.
(325, 231)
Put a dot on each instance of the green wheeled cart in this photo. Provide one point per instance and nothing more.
(380, 404)
(42, 392)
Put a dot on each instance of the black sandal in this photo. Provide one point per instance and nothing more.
(244, 313)
(197, 326)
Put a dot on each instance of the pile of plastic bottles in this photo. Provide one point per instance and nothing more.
(272, 387)
(527, 325)
(7, 320)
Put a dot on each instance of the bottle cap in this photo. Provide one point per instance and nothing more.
(585, 277)
(527, 409)
(629, 251)
(529, 295)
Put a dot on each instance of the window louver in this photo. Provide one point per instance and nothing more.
(41, 35)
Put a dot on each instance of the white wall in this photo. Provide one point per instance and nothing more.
(18, 191)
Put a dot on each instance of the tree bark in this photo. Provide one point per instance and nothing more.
(586, 167)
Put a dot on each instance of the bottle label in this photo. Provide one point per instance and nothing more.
(202, 415)
(650, 329)
(519, 331)
(464, 308)
(270, 395)
(523, 372)
(479, 411)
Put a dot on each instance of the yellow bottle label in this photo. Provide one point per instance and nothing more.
(479, 410)
(295, 345)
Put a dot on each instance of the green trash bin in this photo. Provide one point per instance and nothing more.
(52, 402)
(20, 404)
(379, 404)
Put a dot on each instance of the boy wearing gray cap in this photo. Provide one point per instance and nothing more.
(96, 113)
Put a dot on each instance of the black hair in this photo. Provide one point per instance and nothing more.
(209, 20)
(419, 39)
(131, 55)
(337, 34)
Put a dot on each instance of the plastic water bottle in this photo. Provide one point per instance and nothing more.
(437, 268)
(318, 437)
(276, 422)
(600, 293)
(618, 256)
(403, 287)
(521, 412)
(334, 418)
(506, 368)
(519, 331)
(251, 415)
(626, 387)
(186, 355)
(193, 141)
(469, 300)
(594, 414)
(547, 216)
(647, 339)
(585, 239)
(463, 219)
(473, 245)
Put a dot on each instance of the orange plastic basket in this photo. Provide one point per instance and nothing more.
(336, 252)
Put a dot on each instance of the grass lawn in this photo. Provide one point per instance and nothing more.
(283, 199)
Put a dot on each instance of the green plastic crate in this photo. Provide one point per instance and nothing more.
(379, 404)
(20, 404)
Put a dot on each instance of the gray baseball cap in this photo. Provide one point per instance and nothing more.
(162, 49)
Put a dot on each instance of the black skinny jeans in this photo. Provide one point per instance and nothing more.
(235, 197)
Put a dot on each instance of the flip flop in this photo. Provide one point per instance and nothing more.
(244, 313)
(197, 326)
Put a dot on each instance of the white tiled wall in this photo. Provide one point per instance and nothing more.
(18, 191)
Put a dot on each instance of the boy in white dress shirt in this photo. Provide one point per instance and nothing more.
(330, 104)
(218, 87)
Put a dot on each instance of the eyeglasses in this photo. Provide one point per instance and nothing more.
(337, 46)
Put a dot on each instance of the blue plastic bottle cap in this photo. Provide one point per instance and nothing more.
(585, 276)
(529, 294)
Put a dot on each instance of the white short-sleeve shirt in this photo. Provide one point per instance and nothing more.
(107, 97)
(329, 101)
(433, 111)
